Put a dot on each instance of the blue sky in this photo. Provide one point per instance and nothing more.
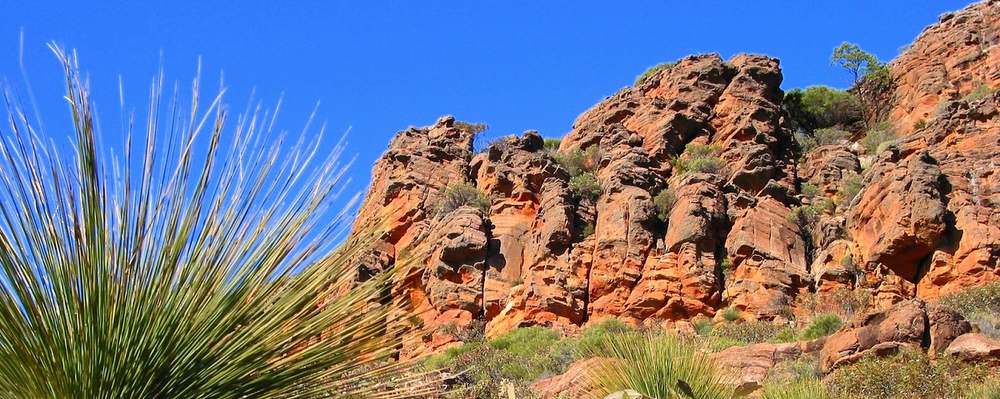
(379, 67)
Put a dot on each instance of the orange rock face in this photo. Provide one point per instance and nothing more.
(948, 60)
(925, 223)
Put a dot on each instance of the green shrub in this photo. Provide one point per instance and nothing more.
(588, 230)
(702, 326)
(819, 107)
(697, 158)
(751, 332)
(821, 326)
(821, 137)
(592, 337)
(980, 305)
(552, 144)
(474, 128)
(652, 71)
(909, 374)
(457, 195)
(919, 124)
(807, 389)
(878, 138)
(808, 216)
(731, 314)
(578, 161)
(850, 186)
(980, 92)
(585, 186)
(987, 390)
(809, 190)
(657, 366)
(664, 202)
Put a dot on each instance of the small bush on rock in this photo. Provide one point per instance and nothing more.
(980, 305)
(552, 144)
(878, 138)
(457, 195)
(664, 202)
(652, 71)
(698, 158)
(578, 161)
(821, 326)
(850, 186)
(585, 186)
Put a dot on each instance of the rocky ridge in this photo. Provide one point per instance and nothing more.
(925, 223)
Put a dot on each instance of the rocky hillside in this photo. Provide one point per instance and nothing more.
(687, 194)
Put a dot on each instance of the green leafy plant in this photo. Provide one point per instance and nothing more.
(592, 337)
(588, 230)
(873, 82)
(457, 195)
(661, 366)
(552, 144)
(652, 71)
(698, 158)
(821, 137)
(809, 190)
(821, 326)
(919, 124)
(182, 268)
(980, 92)
(819, 107)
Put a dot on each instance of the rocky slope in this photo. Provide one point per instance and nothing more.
(925, 223)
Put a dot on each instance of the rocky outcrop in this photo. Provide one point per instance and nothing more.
(660, 243)
(947, 61)
(908, 324)
(747, 367)
(977, 348)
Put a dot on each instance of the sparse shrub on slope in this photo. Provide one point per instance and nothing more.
(878, 138)
(652, 71)
(578, 161)
(698, 158)
(660, 366)
(851, 185)
(821, 326)
(909, 374)
(592, 337)
(751, 332)
(457, 195)
(821, 137)
(585, 186)
(980, 305)
(664, 202)
(552, 144)
(986, 390)
(807, 389)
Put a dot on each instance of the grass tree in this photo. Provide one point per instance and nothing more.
(196, 264)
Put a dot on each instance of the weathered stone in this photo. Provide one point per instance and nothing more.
(974, 347)
(876, 333)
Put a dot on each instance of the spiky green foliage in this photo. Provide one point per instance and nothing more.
(172, 272)
(808, 389)
(660, 366)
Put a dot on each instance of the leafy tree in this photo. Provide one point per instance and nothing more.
(851, 57)
(873, 82)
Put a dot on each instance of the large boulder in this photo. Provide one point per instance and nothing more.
(880, 333)
(977, 348)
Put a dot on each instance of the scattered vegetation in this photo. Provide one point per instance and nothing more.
(457, 195)
(751, 332)
(909, 374)
(552, 144)
(805, 389)
(842, 302)
(664, 202)
(731, 314)
(809, 190)
(980, 305)
(986, 390)
(585, 186)
(578, 161)
(657, 366)
(819, 107)
(821, 137)
(878, 138)
(652, 71)
(919, 124)
(850, 186)
(588, 230)
(808, 216)
(821, 326)
(980, 92)
(592, 338)
(474, 128)
(697, 158)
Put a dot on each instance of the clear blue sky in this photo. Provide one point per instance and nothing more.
(379, 67)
